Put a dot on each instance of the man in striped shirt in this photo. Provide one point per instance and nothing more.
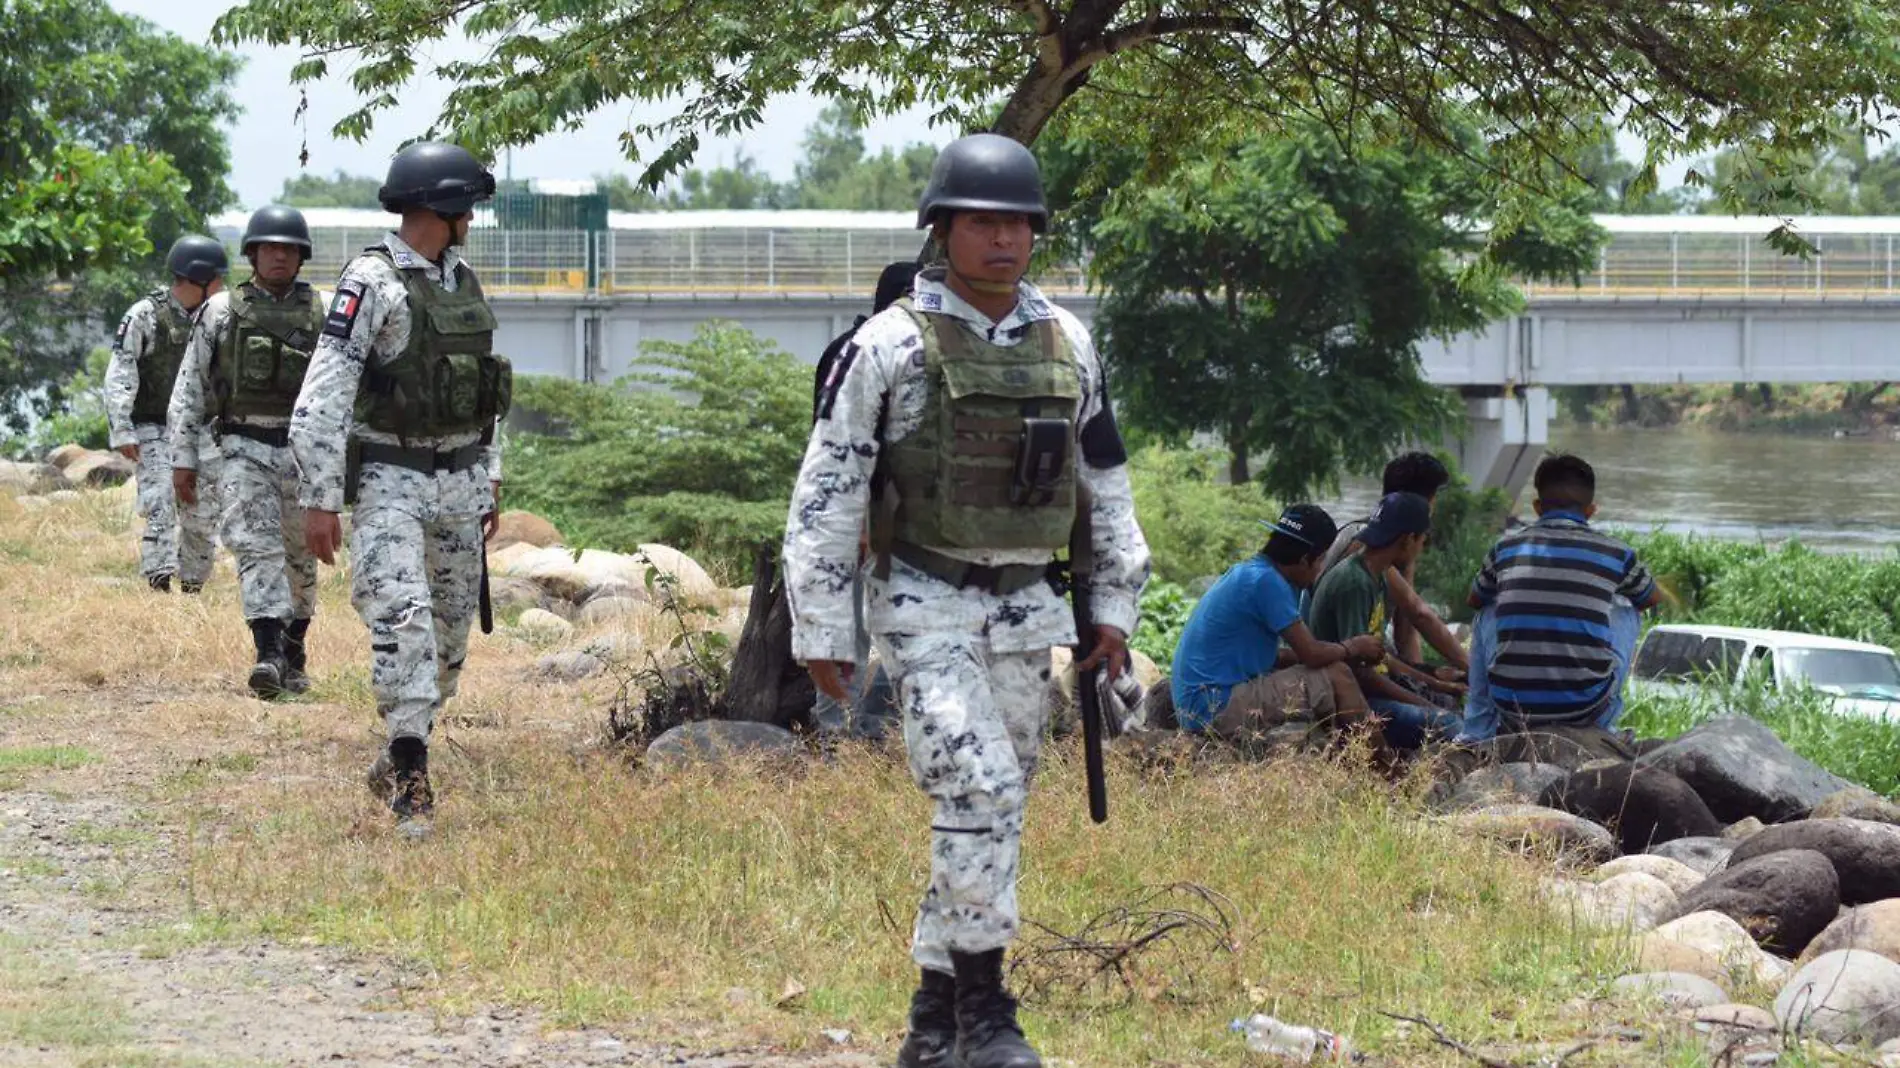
(1558, 615)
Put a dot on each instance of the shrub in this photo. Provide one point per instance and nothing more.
(1196, 526)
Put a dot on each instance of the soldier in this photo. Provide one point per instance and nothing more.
(146, 354)
(397, 418)
(243, 368)
(964, 420)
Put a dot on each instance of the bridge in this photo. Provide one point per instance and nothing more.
(1671, 299)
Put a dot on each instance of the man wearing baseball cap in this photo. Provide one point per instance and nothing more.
(1351, 601)
(1247, 663)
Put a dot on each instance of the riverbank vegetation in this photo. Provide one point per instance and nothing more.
(1853, 408)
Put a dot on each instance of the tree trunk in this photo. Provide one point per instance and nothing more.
(1767, 394)
(1632, 408)
(767, 685)
(1862, 400)
(1237, 470)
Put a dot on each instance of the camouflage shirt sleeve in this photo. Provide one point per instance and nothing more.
(188, 412)
(320, 423)
(1122, 563)
(122, 372)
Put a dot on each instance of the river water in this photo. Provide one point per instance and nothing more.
(1833, 494)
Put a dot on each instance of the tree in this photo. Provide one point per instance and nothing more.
(111, 144)
(1275, 294)
(1686, 78)
(1849, 174)
(342, 190)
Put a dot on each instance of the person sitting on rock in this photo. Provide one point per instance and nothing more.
(1558, 615)
(1352, 600)
(1247, 663)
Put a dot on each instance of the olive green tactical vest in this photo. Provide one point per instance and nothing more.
(158, 365)
(448, 380)
(955, 477)
(265, 352)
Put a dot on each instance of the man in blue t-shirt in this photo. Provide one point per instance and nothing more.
(1246, 662)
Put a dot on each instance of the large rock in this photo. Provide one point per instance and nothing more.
(1628, 902)
(64, 456)
(1533, 827)
(569, 665)
(517, 528)
(554, 570)
(1718, 936)
(718, 740)
(543, 626)
(1743, 829)
(100, 469)
(1644, 807)
(1678, 990)
(508, 593)
(1874, 928)
(1858, 804)
(693, 580)
(506, 559)
(1866, 855)
(31, 478)
(1705, 855)
(1679, 877)
(1501, 784)
(1657, 954)
(599, 610)
(1783, 899)
(1848, 996)
(1741, 769)
(1567, 747)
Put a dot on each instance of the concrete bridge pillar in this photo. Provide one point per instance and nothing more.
(1505, 435)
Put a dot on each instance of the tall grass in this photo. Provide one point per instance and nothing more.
(1862, 751)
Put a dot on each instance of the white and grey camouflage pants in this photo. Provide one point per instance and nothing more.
(973, 723)
(416, 568)
(264, 529)
(175, 543)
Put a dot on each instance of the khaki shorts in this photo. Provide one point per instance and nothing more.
(1259, 705)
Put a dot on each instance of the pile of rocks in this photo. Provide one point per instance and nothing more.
(67, 470)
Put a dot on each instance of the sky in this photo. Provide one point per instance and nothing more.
(266, 140)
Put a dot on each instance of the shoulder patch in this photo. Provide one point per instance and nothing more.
(343, 308)
(125, 324)
(929, 302)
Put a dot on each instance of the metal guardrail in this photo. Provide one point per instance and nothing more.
(741, 262)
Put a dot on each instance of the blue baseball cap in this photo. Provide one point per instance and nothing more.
(1398, 514)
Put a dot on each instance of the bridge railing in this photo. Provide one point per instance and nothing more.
(741, 262)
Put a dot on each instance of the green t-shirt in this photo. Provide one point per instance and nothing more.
(1349, 601)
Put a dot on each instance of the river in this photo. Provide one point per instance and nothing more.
(1833, 494)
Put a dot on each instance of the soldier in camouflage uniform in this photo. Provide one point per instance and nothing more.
(964, 421)
(241, 374)
(146, 354)
(397, 417)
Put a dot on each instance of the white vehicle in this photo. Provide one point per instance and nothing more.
(1685, 658)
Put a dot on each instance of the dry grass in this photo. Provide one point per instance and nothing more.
(683, 905)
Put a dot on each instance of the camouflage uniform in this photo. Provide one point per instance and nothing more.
(415, 537)
(263, 522)
(970, 666)
(172, 543)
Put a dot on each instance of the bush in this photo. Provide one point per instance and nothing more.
(80, 420)
(1790, 587)
(1196, 526)
(1465, 524)
(1165, 608)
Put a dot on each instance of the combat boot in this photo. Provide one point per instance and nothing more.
(932, 1041)
(160, 583)
(295, 680)
(988, 1035)
(267, 675)
(410, 797)
(190, 587)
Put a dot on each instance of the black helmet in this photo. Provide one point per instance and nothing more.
(197, 258)
(440, 177)
(277, 225)
(984, 172)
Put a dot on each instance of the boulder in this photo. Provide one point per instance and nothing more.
(525, 528)
(554, 570)
(63, 456)
(1567, 747)
(1657, 954)
(1865, 855)
(1629, 902)
(1157, 708)
(1145, 669)
(1741, 769)
(1728, 943)
(714, 741)
(1743, 829)
(600, 610)
(1783, 899)
(100, 469)
(1644, 807)
(506, 559)
(1705, 855)
(1872, 928)
(1847, 996)
(1733, 1015)
(1679, 877)
(1678, 990)
(508, 593)
(614, 645)
(1532, 827)
(693, 580)
(543, 626)
(31, 478)
(1499, 784)
(569, 665)
(1858, 804)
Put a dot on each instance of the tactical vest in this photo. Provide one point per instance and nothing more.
(957, 481)
(158, 365)
(448, 379)
(262, 357)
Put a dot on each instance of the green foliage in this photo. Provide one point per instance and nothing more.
(1465, 524)
(698, 448)
(82, 421)
(1859, 750)
(341, 190)
(1274, 293)
(1789, 587)
(1165, 608)
(1846, 172)
(1196, 526)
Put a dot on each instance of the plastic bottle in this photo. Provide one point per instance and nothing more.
(1301, 1044)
